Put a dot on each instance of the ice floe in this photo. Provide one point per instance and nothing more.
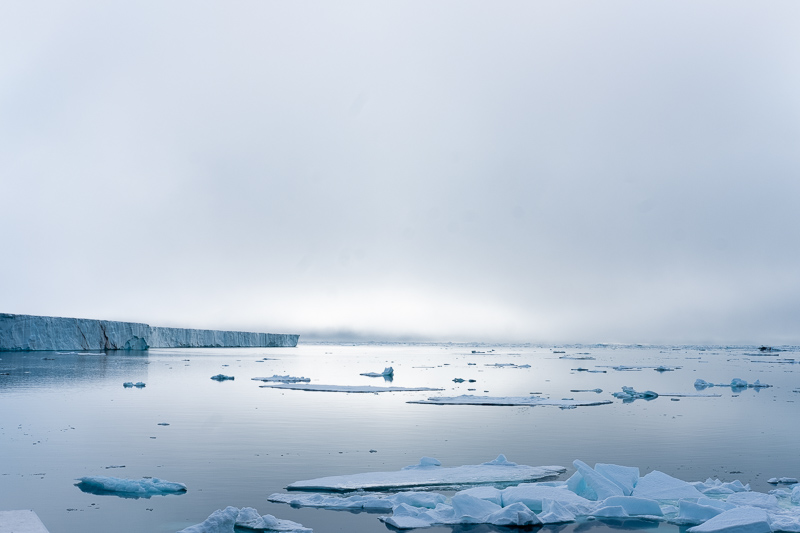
(345, 388)
(222, 377)
(131, 488)
(138, 384)
(428, 473)
(735, 384)
(225, 520)
(284, 379)
(738, 520)
(507, 365)
(387, 372)
(628, 394)
(468, 399)
(786, 480)
(362, 501)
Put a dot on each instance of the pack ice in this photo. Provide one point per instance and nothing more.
(225, 520)
(605, 491)
(469, 399)
(139, 488)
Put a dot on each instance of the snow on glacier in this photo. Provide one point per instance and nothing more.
(225, 520)
(427, 474)
(142, 488)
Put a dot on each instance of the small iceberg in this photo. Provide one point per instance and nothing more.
(222, 377)
(284, 379)
(345, 388)
(628, 394)
(468, 399)
(736, 384)
(428, 473)
(130, 384)
(388, 371)
(129, 488)
(225, 520)
(785, 480)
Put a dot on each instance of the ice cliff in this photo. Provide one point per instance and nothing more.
(29, 332)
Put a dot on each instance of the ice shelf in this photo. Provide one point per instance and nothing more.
(29, 332)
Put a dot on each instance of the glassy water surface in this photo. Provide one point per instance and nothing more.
(67, 415)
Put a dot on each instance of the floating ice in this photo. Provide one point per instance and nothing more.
(345, 388)
(735, 384)
(138, 384)
(225, 520)
(786, 480)
(366, 501)
(715, 486)
(469, 399)
(628, 394)
(429, 475)
(508, 365)
(753, 499)
(598, 391)
(284, 379)
(463, 509)
(628, 368)
(635, 506)
(136, 488)
(660, 486)
(222, 377)
(600, 485)
(388, 371)
(739, 520)
(534, 496)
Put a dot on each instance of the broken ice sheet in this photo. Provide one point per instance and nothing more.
(345, 388)
(428, 473)
(284, 379)
(388, 371)
(129, 488)
(468, 399)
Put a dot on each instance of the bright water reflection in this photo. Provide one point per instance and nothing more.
(67, 415)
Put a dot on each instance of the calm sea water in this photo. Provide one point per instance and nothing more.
(67, 415)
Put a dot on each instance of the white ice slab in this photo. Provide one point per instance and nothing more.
(388, 371)
(147, 486)
(284, 379)
(660, 486)
(468, 399)
(345, 388)
(224, 521)
(368, 501)
(739, 520)
(429, 476)
(463, 509)
(22, 521)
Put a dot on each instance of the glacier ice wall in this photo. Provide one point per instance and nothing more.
(29, 332)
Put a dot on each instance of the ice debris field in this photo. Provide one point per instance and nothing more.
(606, 491)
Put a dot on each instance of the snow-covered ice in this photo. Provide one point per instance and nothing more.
(469, 399)
(345, 388)
(138, 384)
(142, 488)
(388, 371)
(786, 480)
(225, 520)
(284, 379)
(735, 384)
(431, 475)
(738, 520)
(660, 486)
(628, 394)
(362, 501)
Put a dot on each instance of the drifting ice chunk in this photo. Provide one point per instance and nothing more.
(739, 520)
(222, 377)
(601, 485)
(533, 496)
(753, 499)
(141, 488)
(625, 477)
(469, 399)
(425, 462)
(611, 512)
(388, 371)
(284, 379)
(715, 486)
(464, 509)
(628, 394)
(345, 388)
(553, 512)
(429, 476)
(796, 494)
(787, 480)
(635, 506)
(660, 486)
(490, 494)
(695, 513)
(325, 501)
(138, 384)
(224, 521)
(501, 460)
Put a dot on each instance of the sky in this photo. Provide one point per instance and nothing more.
(517, 171)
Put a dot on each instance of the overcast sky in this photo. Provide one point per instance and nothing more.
(550, 171)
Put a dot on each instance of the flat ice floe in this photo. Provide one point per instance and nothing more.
(225, 520)
(284, 379)
(131, 488)
(735, 384)
(468, 399)
(606, 491)
(345, 388)
(388, 371)
(429, 473)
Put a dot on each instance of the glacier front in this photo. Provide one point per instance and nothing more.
(30, 332)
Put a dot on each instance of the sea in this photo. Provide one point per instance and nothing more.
(67, 415)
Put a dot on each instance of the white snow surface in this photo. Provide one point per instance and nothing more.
(224, 521)
(468, 399)
(344, 388)
(428, 475)
(131, 486)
